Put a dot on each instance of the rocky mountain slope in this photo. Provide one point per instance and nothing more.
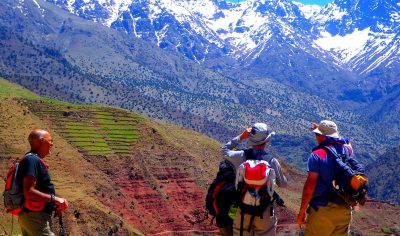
(385, 188)
(261, 35)
(59, 55)
(125, 174)
(250, 39)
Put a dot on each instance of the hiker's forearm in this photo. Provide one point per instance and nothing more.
(33, 194)
(36, 195)
(308, 190)
(305, 199)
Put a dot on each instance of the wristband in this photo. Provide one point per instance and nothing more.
(52, 197)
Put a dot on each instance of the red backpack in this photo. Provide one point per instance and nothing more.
(13, 195)
(255, 183)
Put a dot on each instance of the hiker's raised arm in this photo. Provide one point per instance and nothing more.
(229, 146)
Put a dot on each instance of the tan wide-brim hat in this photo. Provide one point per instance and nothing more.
(327, 128)
(259, 135)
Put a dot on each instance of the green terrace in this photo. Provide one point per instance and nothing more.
(93, 130)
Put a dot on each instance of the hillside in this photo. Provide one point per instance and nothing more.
(119, 170)
(387, 188)
(127, 174)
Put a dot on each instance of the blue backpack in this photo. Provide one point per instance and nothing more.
(351, 183)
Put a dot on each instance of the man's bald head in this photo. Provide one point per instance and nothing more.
(36, 134)
(40, 141)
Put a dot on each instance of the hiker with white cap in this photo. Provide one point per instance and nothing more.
(327, 213)
(258, 136)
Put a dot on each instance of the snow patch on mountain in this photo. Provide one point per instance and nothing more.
(38, 6)
(70, 5)
(381, 59)
(20, 7)
(114, 7)
(347, 46)
(187, 12)
(395, 16)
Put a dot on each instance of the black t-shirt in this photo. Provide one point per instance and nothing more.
(33, 166)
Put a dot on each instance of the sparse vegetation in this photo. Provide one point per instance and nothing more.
(119, 179)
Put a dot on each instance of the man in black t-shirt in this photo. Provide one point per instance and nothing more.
(39, 193)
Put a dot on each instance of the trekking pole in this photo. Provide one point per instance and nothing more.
(60, 221)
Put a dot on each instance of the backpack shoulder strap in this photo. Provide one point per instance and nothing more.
(343, 156)
(332, 151)
(248, 153)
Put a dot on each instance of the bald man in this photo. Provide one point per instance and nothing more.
(39, 193)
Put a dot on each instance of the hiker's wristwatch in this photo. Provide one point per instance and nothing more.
(52, 197)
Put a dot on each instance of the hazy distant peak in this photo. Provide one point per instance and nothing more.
(308, 10)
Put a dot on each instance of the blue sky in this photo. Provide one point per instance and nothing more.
(316, 2)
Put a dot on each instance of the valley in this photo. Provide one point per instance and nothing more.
(126, 174)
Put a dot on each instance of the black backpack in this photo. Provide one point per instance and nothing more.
(347, 171)
(221, 194)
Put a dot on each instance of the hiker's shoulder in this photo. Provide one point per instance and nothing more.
(320, 152)
(30, 159)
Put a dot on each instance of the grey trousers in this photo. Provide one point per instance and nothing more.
(35, 224)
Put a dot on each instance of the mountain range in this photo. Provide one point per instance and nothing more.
(212, 66)
(357, 36)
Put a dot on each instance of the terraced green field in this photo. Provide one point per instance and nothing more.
(93, 130)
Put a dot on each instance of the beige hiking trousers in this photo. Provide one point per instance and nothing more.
(260, 227)
(331, 220)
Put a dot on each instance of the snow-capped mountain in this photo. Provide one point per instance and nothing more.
(293, 43)
(237, 29)
(355, 32)
(362, 34)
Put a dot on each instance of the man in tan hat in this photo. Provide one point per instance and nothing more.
(328, 214)
(258, 136)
